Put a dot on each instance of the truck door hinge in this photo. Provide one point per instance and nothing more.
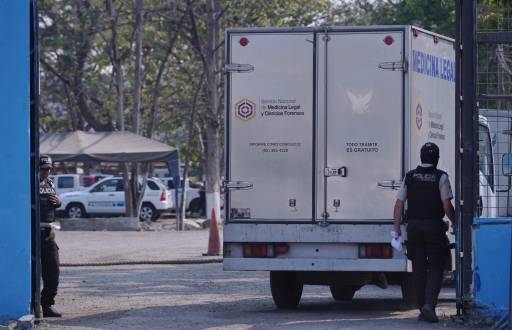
(395, 66)
(236, 67)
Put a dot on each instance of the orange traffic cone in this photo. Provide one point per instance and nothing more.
(213, 241)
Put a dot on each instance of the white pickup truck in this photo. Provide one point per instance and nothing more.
(107, 198)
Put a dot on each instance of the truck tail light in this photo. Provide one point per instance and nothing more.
(265, 250)
(163, 196)
(375, 251)
(258, 250)
(281, 248)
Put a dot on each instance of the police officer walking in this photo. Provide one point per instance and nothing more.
(428, 194)
(49, 201)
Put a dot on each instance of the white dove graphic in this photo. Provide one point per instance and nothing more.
(360, 102)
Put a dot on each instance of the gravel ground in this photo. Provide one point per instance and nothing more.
(164, 243)
(202, 296)
(206, 297)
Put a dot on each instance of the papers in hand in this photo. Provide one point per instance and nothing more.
(396, 241)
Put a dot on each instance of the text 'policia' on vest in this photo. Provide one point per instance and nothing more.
(423, 195)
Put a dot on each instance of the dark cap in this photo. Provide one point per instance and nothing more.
(45, 161)
(429, 153)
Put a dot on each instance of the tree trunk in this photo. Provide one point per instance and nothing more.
(127, 191)
(157, 86)
(82, 51)
(187, 155)
(133, 196)
(140, 194)
(213, 80)
(117, 65)
(139, 23)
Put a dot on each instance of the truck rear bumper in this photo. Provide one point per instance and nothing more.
(311, 247)
(313, 264)
(307, 233)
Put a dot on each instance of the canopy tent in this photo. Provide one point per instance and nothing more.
(105, 147)
(110, 147)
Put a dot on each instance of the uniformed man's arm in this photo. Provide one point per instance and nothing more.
(397, 215)
(399, 207)
(55, 200)
(448, 209)
(447, 196)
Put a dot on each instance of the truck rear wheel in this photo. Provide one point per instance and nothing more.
(343, 292)
(409, 290)
(286, 290)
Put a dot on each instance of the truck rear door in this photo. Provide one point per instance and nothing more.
(360, 79)
(270, 126)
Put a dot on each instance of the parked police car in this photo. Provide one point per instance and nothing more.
(107, 198)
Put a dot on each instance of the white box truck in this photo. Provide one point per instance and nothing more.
(321, 126)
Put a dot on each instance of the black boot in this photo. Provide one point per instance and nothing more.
(429, 313)
(49, 311)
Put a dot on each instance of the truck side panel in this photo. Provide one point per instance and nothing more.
(432, 72)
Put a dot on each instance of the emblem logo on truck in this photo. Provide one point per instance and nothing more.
(419, 117)
(245, 109)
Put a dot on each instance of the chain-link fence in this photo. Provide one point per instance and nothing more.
(494, 95)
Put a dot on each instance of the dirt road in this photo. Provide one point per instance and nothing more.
(206, 297)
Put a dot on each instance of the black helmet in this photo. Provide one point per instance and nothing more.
(429, 154)
(45, 161)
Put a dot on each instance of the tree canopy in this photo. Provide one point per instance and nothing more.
(147, 65)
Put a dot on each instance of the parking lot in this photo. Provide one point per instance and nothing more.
(203, 296)
(206, 297)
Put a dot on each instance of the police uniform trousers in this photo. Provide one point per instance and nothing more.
(49, 267)
(426, 247)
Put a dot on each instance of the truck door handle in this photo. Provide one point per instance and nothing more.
(112, 195)
(390, 184)
(237, 185)
(335, 171)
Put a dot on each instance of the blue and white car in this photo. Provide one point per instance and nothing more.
(107, 198)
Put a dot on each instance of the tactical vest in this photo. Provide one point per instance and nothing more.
(46, 209)
(423, 195)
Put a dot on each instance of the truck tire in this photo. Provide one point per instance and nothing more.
(409, 291)
(75, 211)
(286, 290)
(343, 292)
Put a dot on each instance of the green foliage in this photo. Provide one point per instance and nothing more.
(78, 79)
